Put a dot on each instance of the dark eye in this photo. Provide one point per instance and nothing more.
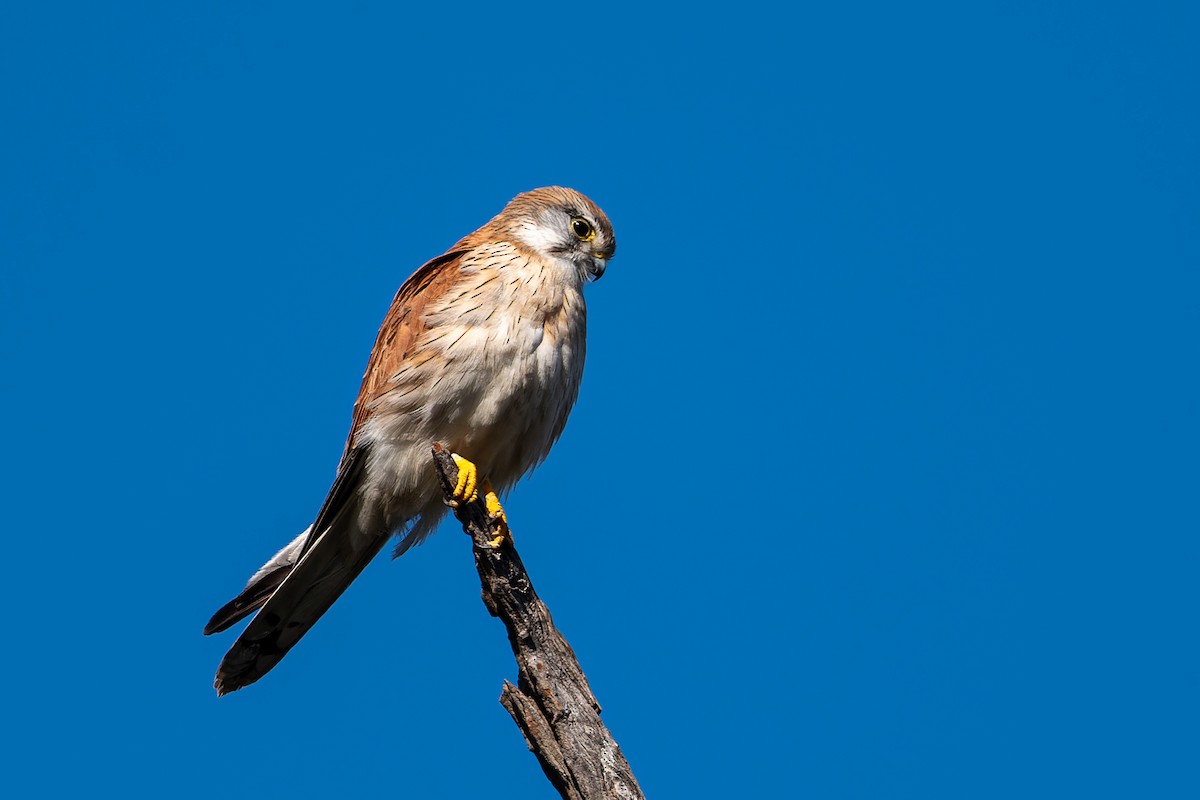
(582, 228)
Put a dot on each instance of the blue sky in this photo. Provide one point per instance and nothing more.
(882, 482)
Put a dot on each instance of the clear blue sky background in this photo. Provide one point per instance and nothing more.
(883, 481)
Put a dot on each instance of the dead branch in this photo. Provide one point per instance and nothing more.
(552, 703)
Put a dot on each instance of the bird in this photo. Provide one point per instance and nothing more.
(481, 353)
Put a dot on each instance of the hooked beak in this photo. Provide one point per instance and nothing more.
(597, 268)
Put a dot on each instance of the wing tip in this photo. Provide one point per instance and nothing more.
(214, 625)
(226, 616)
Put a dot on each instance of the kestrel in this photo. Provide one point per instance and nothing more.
(482, 351)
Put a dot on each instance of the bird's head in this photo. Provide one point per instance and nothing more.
(563, 225)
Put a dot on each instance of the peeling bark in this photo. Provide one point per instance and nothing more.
(551, 703)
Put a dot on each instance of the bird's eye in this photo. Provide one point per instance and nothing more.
(583, 229)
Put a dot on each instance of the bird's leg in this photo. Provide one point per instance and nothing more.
(468, 478)
(496, 512)
(466, 490)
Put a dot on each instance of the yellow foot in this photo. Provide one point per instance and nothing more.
(468, 477)
(496, 512)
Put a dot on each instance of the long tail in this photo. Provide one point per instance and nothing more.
(293, 598)
(299, 583)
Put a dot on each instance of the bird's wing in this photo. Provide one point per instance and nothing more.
(304, 579)
(399, 332)
(269, 577)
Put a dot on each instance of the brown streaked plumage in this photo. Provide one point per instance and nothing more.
(482, 351)
(402, 326)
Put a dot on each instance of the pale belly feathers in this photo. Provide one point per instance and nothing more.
(498, 374)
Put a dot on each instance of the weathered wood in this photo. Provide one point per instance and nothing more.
(552, 703)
